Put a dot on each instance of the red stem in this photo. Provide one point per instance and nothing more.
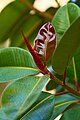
(77, 86)
(61, 93)
(71, 90)
(64, 76)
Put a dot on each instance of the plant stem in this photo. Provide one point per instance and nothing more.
(64, 76)
(75, 74)
(71, 90)
(57, 3)
(30, 7)
(61, 93)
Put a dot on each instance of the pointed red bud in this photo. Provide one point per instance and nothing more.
(36, 58)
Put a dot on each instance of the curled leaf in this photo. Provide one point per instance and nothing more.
(45, 42)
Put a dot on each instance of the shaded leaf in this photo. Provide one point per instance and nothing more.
(72, 114)
(29, 24)
(21, 94)
(51, 85)
(70, 71)
(67, 47)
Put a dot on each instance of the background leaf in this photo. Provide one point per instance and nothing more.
(23, 20)
(7, 15)
(29, 28)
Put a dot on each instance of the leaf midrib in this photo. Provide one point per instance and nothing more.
(29, 94)
(37, 105)
(68, 102)
(17, 67)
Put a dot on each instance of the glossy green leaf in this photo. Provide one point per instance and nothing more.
(64, 18)
(13, 73)
(15, 57)
(67, 47)
(51, 85)
(42, 110)
(61, 103)
(21, 94)
(72, 114)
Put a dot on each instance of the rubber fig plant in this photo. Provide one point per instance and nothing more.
(53, 62)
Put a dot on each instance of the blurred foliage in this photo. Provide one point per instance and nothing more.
(18, 17)
(76, 2)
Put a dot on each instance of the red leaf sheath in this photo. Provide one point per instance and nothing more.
(36, 58)
(45, 42)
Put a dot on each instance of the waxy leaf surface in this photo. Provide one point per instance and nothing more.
(42, 108)
(14, 73)
(63, 18)
(17, 57)
(15, 63)
(21, 94)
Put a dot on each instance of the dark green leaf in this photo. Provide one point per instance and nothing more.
(51, 85)
(67, 47)
(72, 114)
(29, 24)
(64, 18)
(70, 70)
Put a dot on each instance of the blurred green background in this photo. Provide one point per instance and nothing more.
(27, 16)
